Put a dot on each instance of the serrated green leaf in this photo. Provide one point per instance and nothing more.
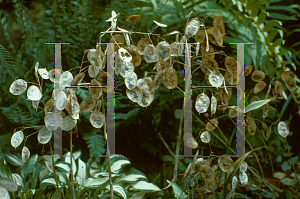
(261, 18)
(146, 187)
(256, 105)
(14, 160)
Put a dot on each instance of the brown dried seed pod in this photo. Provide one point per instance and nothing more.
(216, 37)
(164, 51)
(150, 53)
(157, 80)
(211, 127)
(93, 71)
(226, 96)
(87, 104)
(248, 70)
(49, 106)
(174, 48)
(258, 76)
(219, 24)
(226, 163)
(209, 63)
(207, 55)
(171, 77)
(142, 44)
(77, 79)
(278, 88)
(259, 87)
(287, 74)
(133, 18)
(232, 112)
(290, 83)
(254, 99)
(251, 126)
(136, 57)
(200, 36)
(119, 39)
(231, 65)
(228, 78)
(192, 27)
(266, 110)
(95, 89)
(265, 130)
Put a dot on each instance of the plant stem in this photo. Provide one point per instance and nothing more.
(166, 145)
(71, 158)
(54, 170)
(292, 161)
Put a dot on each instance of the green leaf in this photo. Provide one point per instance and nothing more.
(282, 16)
(277, 42)
(63, 166)
(118, 165)
(68, 160)
(177, 191)
(256, 105)
(279, 158)
(271, 24)
(119, 189)
(14, 160)
(4, 169)
(95, 143)
(146, 187)
(261, 18)
(285, 194)
(285, 166)
(138, 195)
(95, 183)
(50, 181)
(131, 178)
(81, 174)
(18, 179)
(30, 164)
(256, 6)
(272, 34)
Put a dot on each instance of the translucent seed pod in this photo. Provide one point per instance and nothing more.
(259, 87)
(87, 104)
(44, 135)
(258, 76)
(231, 65)
(127, 69)
(18, 87)
(72, 106)
(164, 50)
(53, 75)
(248, 70)
(189, 141)
(93, 71)
(146, 99)
(283, 129)
(205, 137)
(150, 53)
(219, 24)
(290, 83)
(25, 154)
(251, 126)
(192, 27)
(66, 79)
(97, 119)
(170, 79)
(51, 121)
(95, 89)
(34, 93)
(266, 110)
(136, 57)
(215, 78)
(68, 123)
(131, 81)
(211, 127)
(124, 55)
(200, 36)
(135, 94)
(202, 103)
(243, 178)
(60, 100)
(43, 73)
(142, 44)
(17, 139)
(243, 166)
(226, 163)
(213, 105)
(174, 48)
(96, 57)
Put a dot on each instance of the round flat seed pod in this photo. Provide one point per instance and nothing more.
(288, 74)
(97, 119)
(243, 178)
(49, 106)
(283, 129)
(133, 18)
(43, 73)
(259, 87)
(44, 135)
(265, 130)
(219, 24)
(182, 42)
(51, 121)
(226, 95)
(210, 64)
(174, 48)
(200, 36)
(231, 65)
(251, 126)
(248, 70)
(202, 103)
(60, 100)
(78, 78)
(205, 137)
(146, 99)
(211, 127)
(278, 88)
(72, 106)
(34, 93)
(149, 81)
(232, 113)
(17, 139)
(290, 83)
(141, 45)
(131, 81)
(95, 57)
(192, 27)
(18, 87)
(127, 69)
(8, 184)
(54, 78)
(228, 78)
(120, 41)
(164, 50)
(217, 37)
(135, 94)
(87, 104)
(4, 193)
(157, 80)
(189, 141)
(266, 110)
(171, 77)
(68, 123)
(215, 78)
(254, 99)
(93, 71)
(95, 89)
(66, 79)
(226, 163)
(234, 182)
(136, 57)
(243, 166)
(207, 55)
(124, 55)
(25, 154)
(213, 105)
(165, 82)
(258, 76)
(118, 64)
(150, 53)
(143, 85)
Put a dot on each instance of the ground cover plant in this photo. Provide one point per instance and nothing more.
(150, 58)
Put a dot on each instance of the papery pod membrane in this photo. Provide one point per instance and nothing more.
(148, 81)
(135, 94)
(18, 87)
(290, 84)
(95, 89)
(34, 93)
(248, 70)
(72, 106)
(206, 173)
(124, 55)
(232, 112)
(243, 178)
(215, 78)
(162, 66)
(226, 95)
(219, 24)
(164, 51)
(202, 103)
(105, 77)
(189, 141)
(49, 165)
(213, 105)
(192, 27)
(53, 75)
(254, 99)
(210, 186)
(68, 123)
(97, 119)
(182, 42)
(143, 85)
(265, 131)
(49, 106)
(118, 64)
(93, 71)
(207, 54)
(266, 110)
(283, 129)
(211, 127)
(251, 126)
(98, 105)
(8, 184)
(87, 104)
(127, 69)
(278, 88)
(146, 99)
(228, 78)
(43, 73)
(150, 53)
(142, 44)
(288, 74)
(171, 77)
(131, 81)
(25, 154)
(226, 163)
(51, 121)
(243, 166)
(96, 57)
(234, 182)
(136, 57)
(35, 104)
(200, 36)
(209, 64)
(231, 65)
(17, 139)
(44, 135)
(68, 91)
(4, 193)
(66, 79)
(205, 137)
(60, 100)
(217, 37)
(120, 41)
(78, 78)
(133, 18)
(157, 80)
(259, 87)
(174, 48)
(258, 76)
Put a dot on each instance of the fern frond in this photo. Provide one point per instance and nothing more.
(6, 61)
(95, 143)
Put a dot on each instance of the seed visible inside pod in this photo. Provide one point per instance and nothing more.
(93, 71)
(44, 135)
(217, 37)
(265, 130)
(51, 121)
(251, 126)
(18, 87)
(157, 80)
(209, 63)
(171, 77)
(243, 178)
(283, 129)
(142, 44)
(136, 57)
(135, 94)
(234, 182)
(248, 70)
(87, 104)
(231, 65)
(131, 81)
(209, 53)
(97, 119)
(266, 110)
(78, 78)
(189, 141)
(17, 139)
(174, 48)
(72, 106)
(215, 78)
(226, 163)
(211, 127)
(120, 41)
(205, 137)
(66, 79)
(96, 57)
(200, 36)
(68, 123)
(127, 69)
(164, 51)
(60, 100)
(218, 23)
(95, 89)
(258, 76)
(202, 103)
(192, 27)
(146, 99)
(243, 166)
(124, 55)
(290, 83)
(278, 88)
(288, 74)
(150, 53)
(259, 87)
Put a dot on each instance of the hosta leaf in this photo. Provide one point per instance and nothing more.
(146, 187)
(14, 160)
(119, 189)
